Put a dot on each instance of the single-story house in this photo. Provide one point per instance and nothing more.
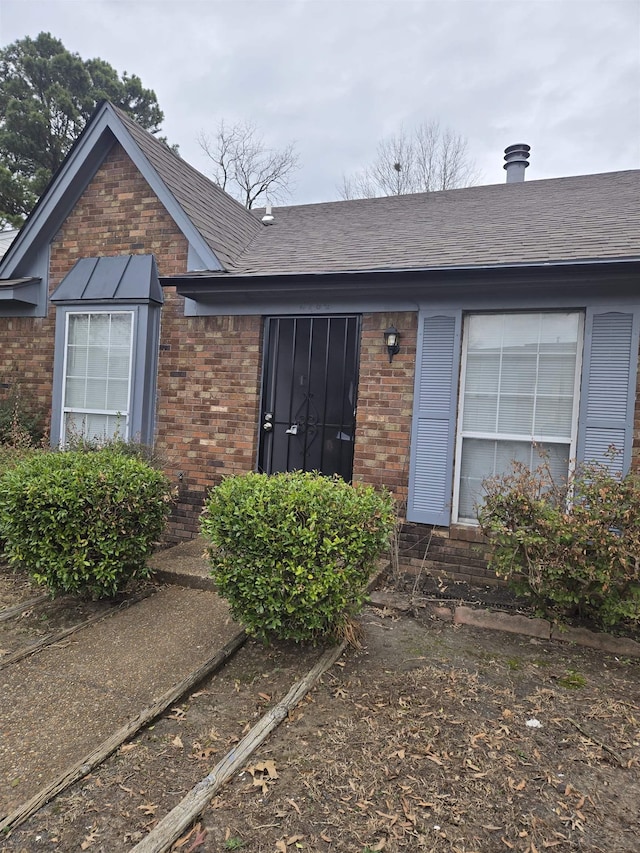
(139, 298)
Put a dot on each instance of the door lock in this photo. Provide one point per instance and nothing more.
(267, 425)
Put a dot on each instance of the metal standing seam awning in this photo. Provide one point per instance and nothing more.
(120, 278)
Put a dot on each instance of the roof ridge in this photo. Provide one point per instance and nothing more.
(403, 197)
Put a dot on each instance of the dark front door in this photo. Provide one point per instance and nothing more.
(309, 395)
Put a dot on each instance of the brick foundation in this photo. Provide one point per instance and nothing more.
(459, 552)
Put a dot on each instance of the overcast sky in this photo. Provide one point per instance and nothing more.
(336, 76)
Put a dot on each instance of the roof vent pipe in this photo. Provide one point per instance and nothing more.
(517, 157)
(268, 217)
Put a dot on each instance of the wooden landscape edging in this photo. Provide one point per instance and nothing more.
(25, 652)
(163, 835)
(104, 750)
(17, 609)
(181, 816)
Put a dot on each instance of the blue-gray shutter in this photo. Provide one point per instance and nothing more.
(434, 417)
(607, 397)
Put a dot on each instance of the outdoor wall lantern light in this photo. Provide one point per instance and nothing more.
(391, 338)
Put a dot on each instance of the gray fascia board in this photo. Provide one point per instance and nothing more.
(219, 293)
(259, 279)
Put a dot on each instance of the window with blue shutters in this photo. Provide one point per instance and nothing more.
(512, 385)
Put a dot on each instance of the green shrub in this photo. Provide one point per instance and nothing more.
(82, 522)
(292, 552)
(576, 546)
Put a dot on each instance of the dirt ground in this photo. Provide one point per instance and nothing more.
(423, 739)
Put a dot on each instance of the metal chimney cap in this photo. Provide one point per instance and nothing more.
(520, 147)
(517, 157)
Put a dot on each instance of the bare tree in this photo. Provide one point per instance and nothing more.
(429, 158)
(245, 167)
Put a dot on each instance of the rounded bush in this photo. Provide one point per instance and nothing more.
(574, 547)
(83, 522)
(292, 552)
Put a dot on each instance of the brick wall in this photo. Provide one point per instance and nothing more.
(459, 552)
(208, 395)
(385, 404)
(26, 363)
(118, 214)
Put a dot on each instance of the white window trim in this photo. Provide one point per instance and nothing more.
(539, 439)
(64, 410)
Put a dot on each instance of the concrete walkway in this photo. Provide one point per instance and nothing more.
(61, 703)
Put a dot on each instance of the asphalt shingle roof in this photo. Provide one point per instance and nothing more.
(224, 223)
(590, 217)
(563, 219)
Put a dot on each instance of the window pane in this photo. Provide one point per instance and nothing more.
(554, 417)
(117, 395)
(518, 371)
(78, 329)
(96, 395)
(521, 332)
(77, 361)
(99, 329)
(557, 373)
(121, 330)
(559, 333)
(98, 357)
(516, 414)
(74, 395)
(92, 427)
(530, 360)
(483, 371)
(483, 458)
(480, 412)
(119, 363)
(485, 332)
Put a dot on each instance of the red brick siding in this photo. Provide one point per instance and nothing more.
(118, 214)
(459, 552)
(26, 361)
(385, 404)
(208, 399)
